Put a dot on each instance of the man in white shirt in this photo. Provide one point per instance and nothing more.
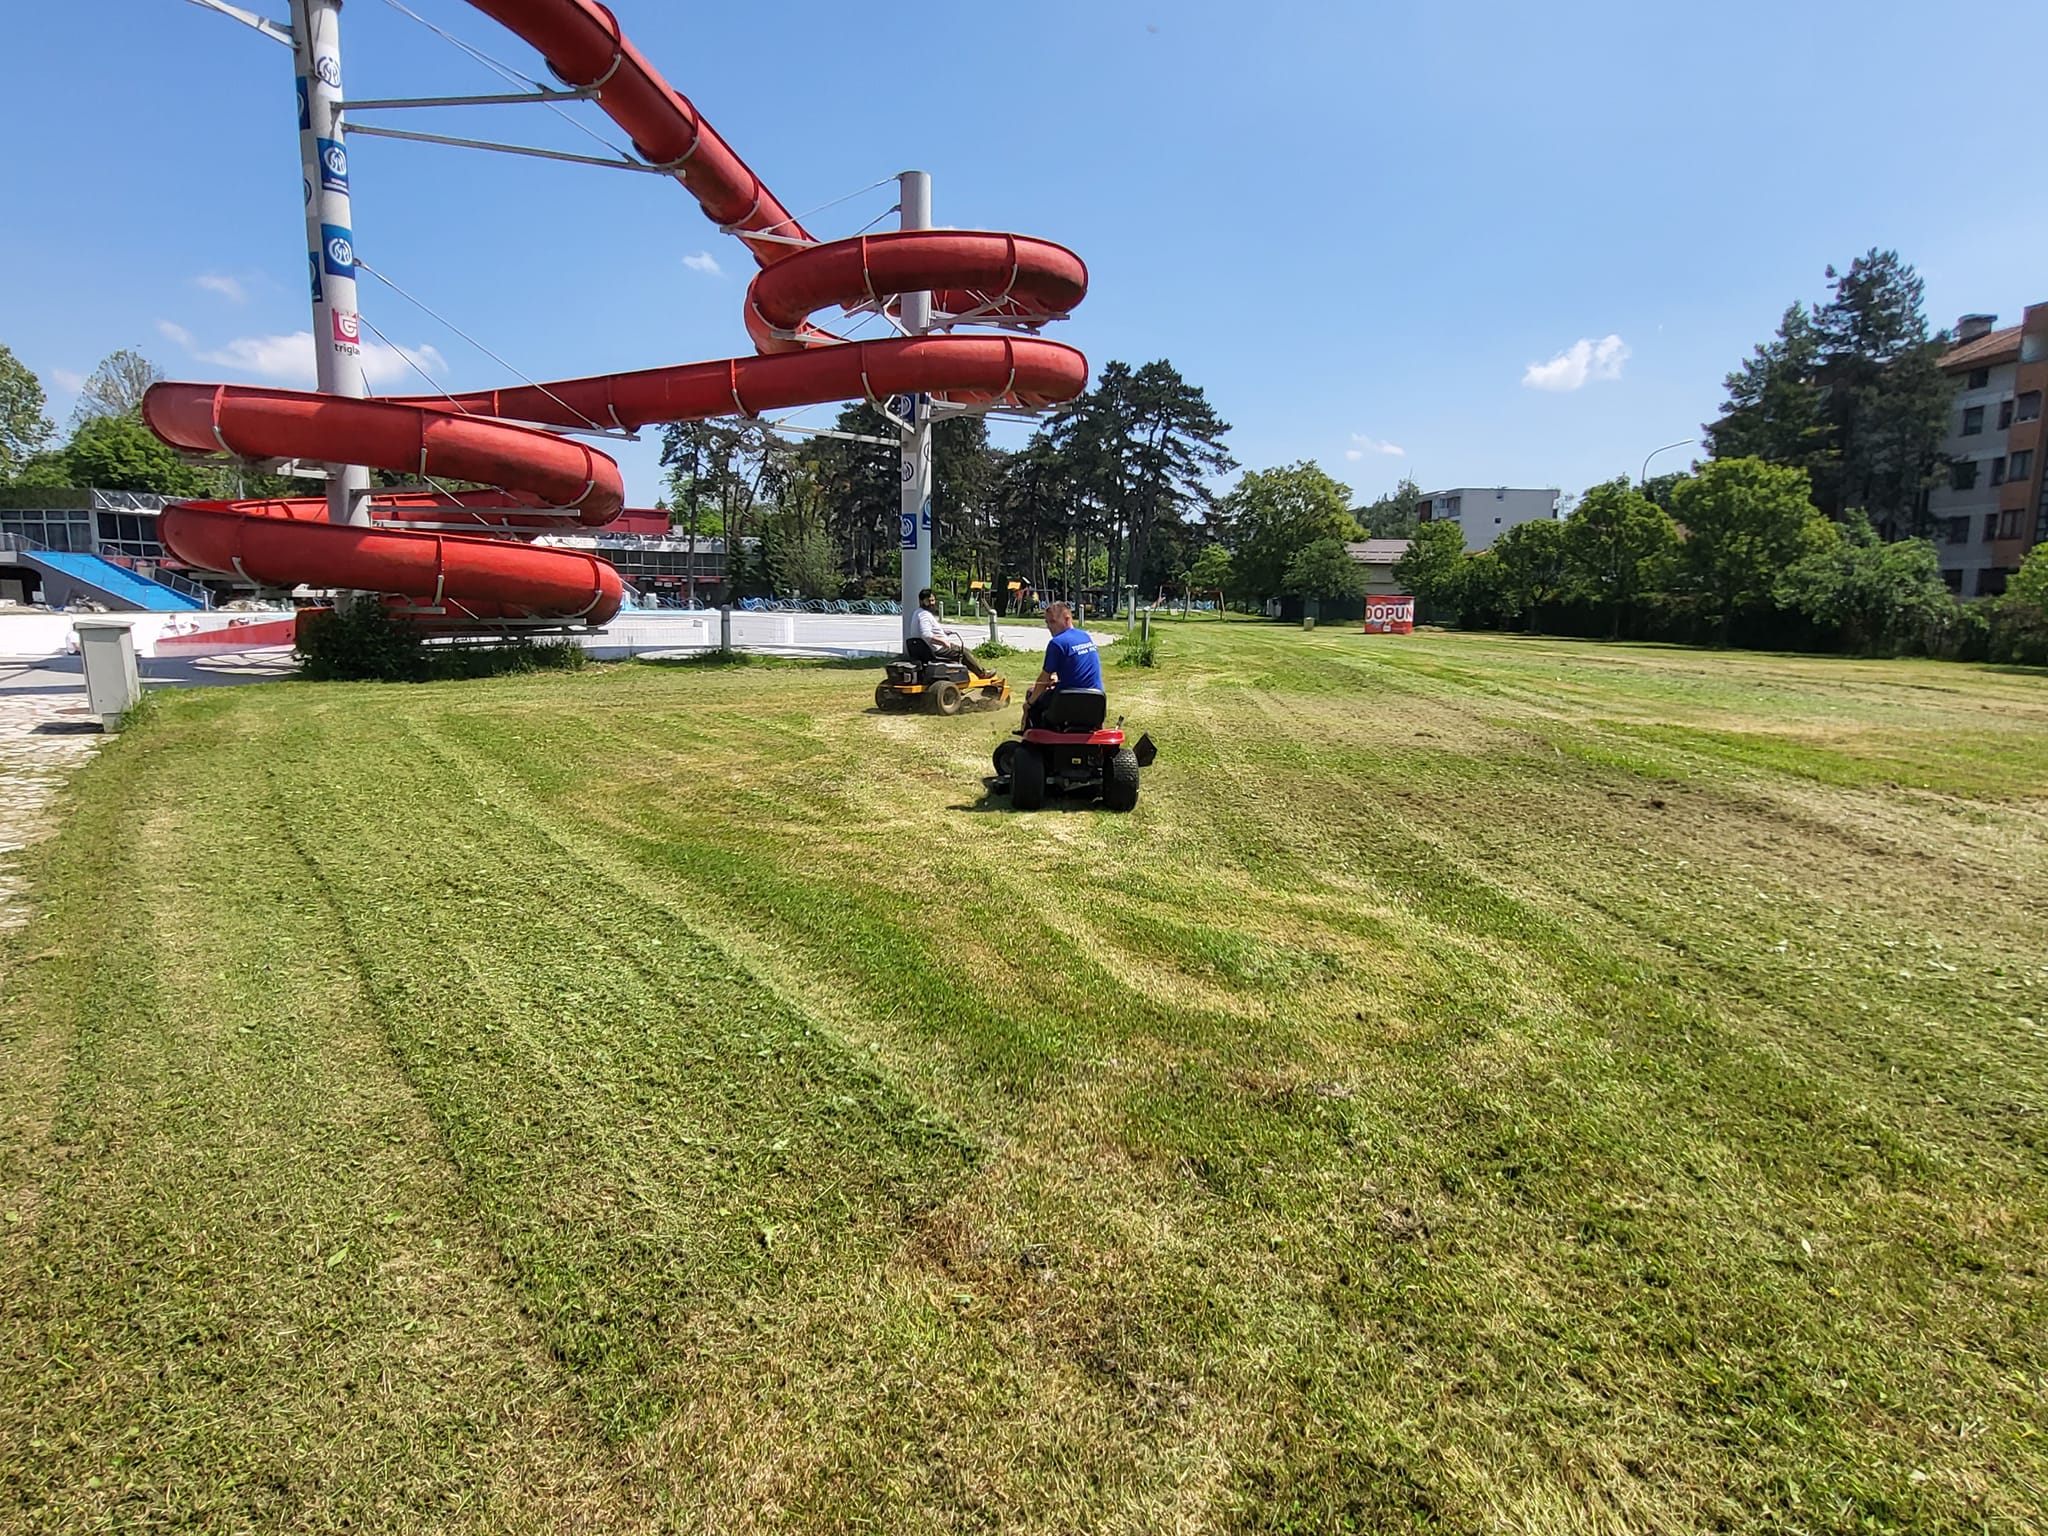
(943, 644)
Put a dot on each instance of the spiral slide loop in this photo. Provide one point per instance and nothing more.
(551, 482)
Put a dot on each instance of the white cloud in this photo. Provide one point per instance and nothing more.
(226, 287)
(71, 383)
(384, 365)
(1584, 362)
(1361, 446)
(289, 360)
(704, 262)
(176, 332)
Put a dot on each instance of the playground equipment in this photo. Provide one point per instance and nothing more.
(461, 560)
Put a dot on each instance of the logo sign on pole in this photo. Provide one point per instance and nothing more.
(305, 107)
(1390, 615)
(904, 408)
(333, 166)
(348, 329)
(313, 261)
(910, 530)
(338, 247)
(328, 68)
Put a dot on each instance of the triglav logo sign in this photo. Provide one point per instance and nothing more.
(348, 327)
(328, 68)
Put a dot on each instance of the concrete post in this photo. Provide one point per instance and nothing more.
(915, 212)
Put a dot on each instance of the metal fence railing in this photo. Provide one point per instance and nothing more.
(23, 544)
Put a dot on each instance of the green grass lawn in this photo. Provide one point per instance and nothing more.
(1488, 1085)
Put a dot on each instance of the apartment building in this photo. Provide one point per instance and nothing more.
(1487, 512)
(1992, 507)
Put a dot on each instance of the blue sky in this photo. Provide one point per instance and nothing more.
(1373, 233)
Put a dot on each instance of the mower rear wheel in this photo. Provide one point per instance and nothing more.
(1027, 779)
(1120, 783)
(1006, 759)
(887, 699)
(945, 698)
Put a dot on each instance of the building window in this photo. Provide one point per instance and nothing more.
(1962, 474)
(1991, 583)
(1959, 530)
(1979, 377)
(2028, 407)
(1453, 505)
(1998, 470)
(2021, 465)
(1954, 580)
(1990, 526)
(1973, 421)
(2004, 414)
(2009, 524)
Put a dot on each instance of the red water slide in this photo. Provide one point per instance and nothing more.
(551, 482)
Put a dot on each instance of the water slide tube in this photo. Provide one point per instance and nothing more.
(450, 575)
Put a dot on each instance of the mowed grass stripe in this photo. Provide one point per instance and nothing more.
(252, 1291)
(649, 1133)
(1399, 1122)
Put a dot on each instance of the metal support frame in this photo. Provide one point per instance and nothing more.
(510, 98)
(276, 31)
(604, 162)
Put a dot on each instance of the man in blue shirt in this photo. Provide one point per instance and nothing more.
(1071, 663)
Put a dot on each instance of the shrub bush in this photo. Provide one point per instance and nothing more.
(364, 643)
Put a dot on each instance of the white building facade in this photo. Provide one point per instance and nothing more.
(1991, 505)
(1487, 512)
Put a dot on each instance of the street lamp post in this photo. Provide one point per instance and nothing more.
(1643, 482)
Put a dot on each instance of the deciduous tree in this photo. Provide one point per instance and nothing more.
(1618, 545)
(1273, 514)
(1324, 569)
(24, 429)
(116, 387)
(1746, 523)
(1430, 568)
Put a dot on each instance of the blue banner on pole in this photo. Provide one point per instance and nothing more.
(338, 251)
(910, 530)
(305, 106)
(333, 166)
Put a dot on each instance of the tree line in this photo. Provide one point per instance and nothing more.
(1805, 528)
(106, 445)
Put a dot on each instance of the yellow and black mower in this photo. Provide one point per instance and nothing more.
(941, 687)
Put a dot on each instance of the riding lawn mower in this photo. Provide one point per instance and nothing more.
(1070, 753)
(921, 680)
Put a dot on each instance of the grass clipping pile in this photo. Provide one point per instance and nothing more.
(366, 643)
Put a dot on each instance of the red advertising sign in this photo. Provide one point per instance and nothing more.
(1390, 615)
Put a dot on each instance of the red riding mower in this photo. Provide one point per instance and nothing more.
(1070, 753)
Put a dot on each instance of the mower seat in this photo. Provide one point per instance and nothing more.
(919, 650)
(1074, 709)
